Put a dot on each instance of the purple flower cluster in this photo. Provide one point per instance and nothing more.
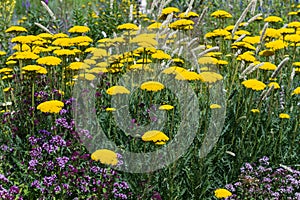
(11, 193)
(260, 181)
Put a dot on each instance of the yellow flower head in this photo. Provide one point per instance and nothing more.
(255, 110)
(254, 84)
(173, 70)
(188, 15)
(52, 106)
(105, 156)
(273, 19)
(60, 35)
(128, 26)
(49, 60)
(169, 10)
(214, 106)
(155, 25)
(266, 52)
(152, 86)
(14, 29)
(64, 52)
(210, 77)
(166, 107)
(247, 56)
(284, 116)
(274, 84)
(268, 66)
(87, 76)
(2, 53)
(79, 29)
(154, 136)
(78, 66)
(221, 14)
(35, 68)
(294, 24)
(181, 23)
(161, 55)
(117, 90)
(276, 45)
(23, 56)
(296, 91)
(187, 75)
(110, 109)
(222, 193)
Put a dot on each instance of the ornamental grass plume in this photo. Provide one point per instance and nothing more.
(52, 106)
(105, 156)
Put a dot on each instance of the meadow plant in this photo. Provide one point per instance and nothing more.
(263, 181)
(68, 76)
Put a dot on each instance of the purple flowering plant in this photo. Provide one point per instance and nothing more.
(263, 181)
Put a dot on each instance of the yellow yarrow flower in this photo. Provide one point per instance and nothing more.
(214, 106)
(152, 86)
(114, 90)
(268, 66)
(273, 19)
(110, 109)
(187, 75)
(296, 91)
(210, 77)
(35, 68)
(274, 84)
(78, 66)
(266, 52)
(188, 15)
(222, 193)
(52, 106)
(255, 110)
(13, 29)
(105, 156)
(254, 84)
(173, 70)
(161, 55)
(86, 76)
(23, 56)
(128, 26)
(294, 24)
(221, 14)
(154, 136)
(284, 116)
(64, 52)
(79, 29)
(49, 60)
(166, 107)
(276, 45)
